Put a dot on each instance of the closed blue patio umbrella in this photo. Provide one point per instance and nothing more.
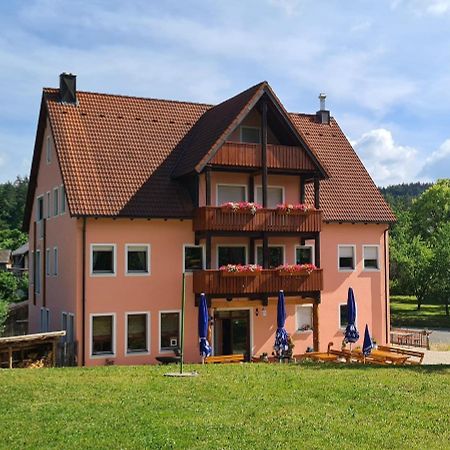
(203, 319)
(368, 344)
(281, 337)
(351, 333)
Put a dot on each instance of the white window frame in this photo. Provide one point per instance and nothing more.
(91, 263)
(159, 328)
(313, 256)
(304, 305)
(253, 128)
(138, 274)
(371, 269)
(37, 208)
(268, 187)
(55, 261)
(148, 351)
(48, 150)
(49, 204)
(271, 245)
(56, 201)
(63, 202)
(48, 269)
(354, 258)
(231, 184)
(183, 268)
(91, 336)
(231, 245)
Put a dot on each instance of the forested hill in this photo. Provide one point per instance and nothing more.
(403, 194)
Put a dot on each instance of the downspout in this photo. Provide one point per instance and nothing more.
(83, 296)
(386, 300)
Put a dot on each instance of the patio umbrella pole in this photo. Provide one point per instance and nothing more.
(183, 301)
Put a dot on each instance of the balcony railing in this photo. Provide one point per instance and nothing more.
(215, 218)
(268, 282)
(249, 155)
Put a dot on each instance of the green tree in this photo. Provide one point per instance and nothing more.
(432, 209)
(3, 315)
(8, 287)
(12, 203)
(12, 239)
(441, 265)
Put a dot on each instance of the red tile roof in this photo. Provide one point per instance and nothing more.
(117, 156)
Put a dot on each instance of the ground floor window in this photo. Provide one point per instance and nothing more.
(343, 315)
(169, 330)
(103, 335)
(304, 315)
(276, 256)
(137, 333)
(231, 255)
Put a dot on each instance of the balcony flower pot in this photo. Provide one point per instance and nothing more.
(293, 209)
(237, 270)
(240, 207)
(295, 270)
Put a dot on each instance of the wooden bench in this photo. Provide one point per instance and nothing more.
(405, 352)
(227, 359)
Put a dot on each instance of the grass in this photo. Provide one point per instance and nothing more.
(235, 406)
(404, 313)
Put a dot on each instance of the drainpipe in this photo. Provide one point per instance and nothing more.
(386, 300)
(83, 296)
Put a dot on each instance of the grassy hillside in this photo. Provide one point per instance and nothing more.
(239, 406)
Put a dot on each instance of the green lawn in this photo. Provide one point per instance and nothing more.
(238, 406)
(404, 313)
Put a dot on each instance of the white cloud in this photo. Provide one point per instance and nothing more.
(420, 7)
(437, 165)
(385, 160)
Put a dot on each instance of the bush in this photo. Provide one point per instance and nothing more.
(8, 287)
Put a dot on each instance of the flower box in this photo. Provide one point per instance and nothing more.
(241, 207)
(295, 270)
(299, 273)
(238, 270)
(240, 274)
(292, 212)
(294, 209)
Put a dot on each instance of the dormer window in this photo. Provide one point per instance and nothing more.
(251, 135)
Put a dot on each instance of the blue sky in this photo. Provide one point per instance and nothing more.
(385, 66)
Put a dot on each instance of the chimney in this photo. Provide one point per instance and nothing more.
(68, 88)
(323, 115)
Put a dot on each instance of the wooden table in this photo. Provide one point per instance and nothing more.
(386, 357)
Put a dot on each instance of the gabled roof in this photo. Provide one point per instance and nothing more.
(349, 195)
(215, 126)
(118, 155)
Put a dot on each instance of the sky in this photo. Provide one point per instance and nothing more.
(384, 65)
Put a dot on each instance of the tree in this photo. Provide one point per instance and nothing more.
(432, 209)
(12, 239)
(3, 315)
(12, 203)
(8, 287)
(441, 265)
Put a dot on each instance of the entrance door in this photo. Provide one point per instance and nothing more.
(232, 332)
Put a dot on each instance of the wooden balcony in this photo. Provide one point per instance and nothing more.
(267, 282)
(238, 154)
(214, 218)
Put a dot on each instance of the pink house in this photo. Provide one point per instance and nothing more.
(127, 193)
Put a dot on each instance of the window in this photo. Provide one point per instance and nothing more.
(169, 330)
(137, 259)
(47, 262)
(39, 208)
(103, 340)
(276, 256)
(55, 261)
(343, 315)
(45, 320)
(49, 211)
(49, 150)
(251, 135)
(193, 258)
(103, 261)
(346, 257)
(304, 254)
(37, 272)
(231, 255)
(274, 196)
(230, 193)
(304, 317)
(62, 196)
(371, 257)
(137, 332)
(55, 201)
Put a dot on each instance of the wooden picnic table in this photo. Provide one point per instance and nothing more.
(384, 356)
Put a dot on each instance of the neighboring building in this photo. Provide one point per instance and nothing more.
(17, 321)
(20, 261)
(5, 259)
(125, 195)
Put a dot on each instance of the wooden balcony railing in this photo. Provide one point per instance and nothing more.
(249, 155)
(215, 218)
(269, 282)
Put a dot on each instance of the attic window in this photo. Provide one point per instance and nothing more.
(251, 135)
